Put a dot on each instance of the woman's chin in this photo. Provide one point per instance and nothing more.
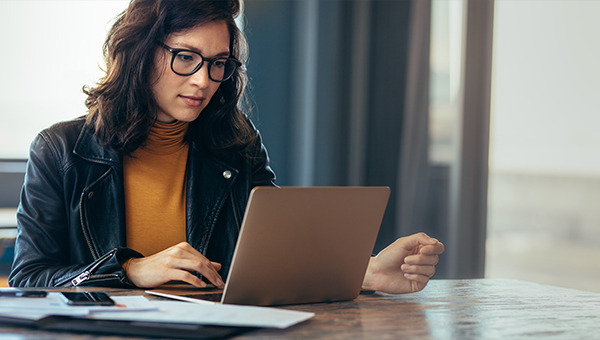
(186, 117)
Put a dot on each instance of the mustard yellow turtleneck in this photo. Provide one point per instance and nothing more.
(155, 181)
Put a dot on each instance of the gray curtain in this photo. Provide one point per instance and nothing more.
(341, 93)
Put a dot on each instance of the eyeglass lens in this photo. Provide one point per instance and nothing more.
(186, 63)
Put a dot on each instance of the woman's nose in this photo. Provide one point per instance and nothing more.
(201, 78)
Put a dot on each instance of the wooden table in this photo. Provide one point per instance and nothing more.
(446, 309)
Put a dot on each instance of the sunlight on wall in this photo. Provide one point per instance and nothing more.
(544, 188)
(51, 49)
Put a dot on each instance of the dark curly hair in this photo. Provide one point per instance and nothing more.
(122, 108)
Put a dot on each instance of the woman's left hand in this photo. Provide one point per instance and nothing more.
(404, 266)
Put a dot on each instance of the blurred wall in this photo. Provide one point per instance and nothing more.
(275, 31)
(544, 221)
(341, 93)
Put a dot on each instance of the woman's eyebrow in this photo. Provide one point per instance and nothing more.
(221, 55)
(192, 48)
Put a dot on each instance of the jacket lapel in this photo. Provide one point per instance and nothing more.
(88, 148)
(102, 202)
(209, 183)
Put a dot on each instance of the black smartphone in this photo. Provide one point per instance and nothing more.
(87, 299)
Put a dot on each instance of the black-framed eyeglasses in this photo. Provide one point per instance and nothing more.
(186, 63)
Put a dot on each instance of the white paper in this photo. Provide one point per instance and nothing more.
(52, 304)
(138, 308)
(213, 314)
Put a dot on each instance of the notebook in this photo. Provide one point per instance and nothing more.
(80, 324)
(304, 245)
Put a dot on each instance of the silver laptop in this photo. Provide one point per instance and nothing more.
(304, 244)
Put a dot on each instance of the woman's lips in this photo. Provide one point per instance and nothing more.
(192, 101)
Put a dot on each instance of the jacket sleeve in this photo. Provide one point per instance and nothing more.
(43, 245)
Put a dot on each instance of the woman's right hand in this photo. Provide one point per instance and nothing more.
(174, 263)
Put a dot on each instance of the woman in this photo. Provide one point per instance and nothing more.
(150, 185)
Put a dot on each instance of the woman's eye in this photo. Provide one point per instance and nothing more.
(219, 63)
(182, 56)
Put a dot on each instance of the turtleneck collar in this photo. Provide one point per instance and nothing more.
(166, 138)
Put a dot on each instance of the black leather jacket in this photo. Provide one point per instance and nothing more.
(71, 220)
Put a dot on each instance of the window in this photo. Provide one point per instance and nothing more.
(50, 50)
(445, 79)
(544, 184)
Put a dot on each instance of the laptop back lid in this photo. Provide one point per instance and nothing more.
(304, 244)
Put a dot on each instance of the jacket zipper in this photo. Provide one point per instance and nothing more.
(86, 275)
(83, 225)
(235, 214)
(79, 279)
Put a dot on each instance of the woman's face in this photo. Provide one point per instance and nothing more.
(184, 97)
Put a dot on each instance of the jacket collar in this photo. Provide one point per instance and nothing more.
(89, 148)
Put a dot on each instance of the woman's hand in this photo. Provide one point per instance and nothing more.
(404, 266)
(174, 263)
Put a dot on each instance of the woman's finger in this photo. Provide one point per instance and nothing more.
(204, 268)
(422, 259)
(432, 249)
(184, 256)
(185, 276)
(419, 270)
(174, 263)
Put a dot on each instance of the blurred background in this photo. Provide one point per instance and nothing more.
(480, 115)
